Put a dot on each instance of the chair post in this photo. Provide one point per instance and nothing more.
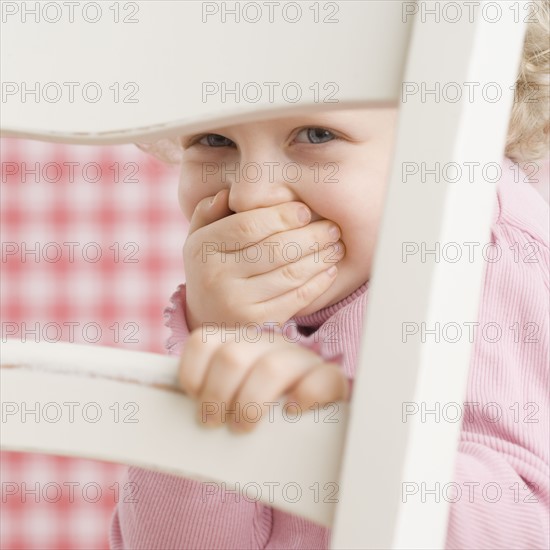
(390, 455)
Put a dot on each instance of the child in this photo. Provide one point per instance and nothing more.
(294, 256)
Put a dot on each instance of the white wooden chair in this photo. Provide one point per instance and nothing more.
(376, 53)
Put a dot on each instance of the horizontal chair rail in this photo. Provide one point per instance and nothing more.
(121, 406)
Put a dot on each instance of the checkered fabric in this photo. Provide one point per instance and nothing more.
(91, 252)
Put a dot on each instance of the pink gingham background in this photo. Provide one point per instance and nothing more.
(132, 210)
(139, 211)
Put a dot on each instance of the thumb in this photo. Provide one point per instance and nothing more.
(209, 210)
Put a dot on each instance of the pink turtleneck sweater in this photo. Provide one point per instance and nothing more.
(512, 372)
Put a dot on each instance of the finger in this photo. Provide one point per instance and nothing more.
(209, 210)
(253, 226)
(195, 357)
(300, 297)
(229, 365)
(273, 374)
(293, 275)
(288, 247)
(325, 383)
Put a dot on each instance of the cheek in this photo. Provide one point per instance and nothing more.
(360, 238)
(185, 202)
(192, 189)
(358, 211)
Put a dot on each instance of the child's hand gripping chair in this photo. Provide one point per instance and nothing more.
(185, 57)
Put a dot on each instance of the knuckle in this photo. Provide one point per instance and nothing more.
(269, 367)
(247, 228)
(277, 255)
(265, 313)
(303, 294)
(292, 272)
(195, 341)
(210, 279)
(229, 356)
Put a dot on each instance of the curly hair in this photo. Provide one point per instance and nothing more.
(167, 150)
(529, 128)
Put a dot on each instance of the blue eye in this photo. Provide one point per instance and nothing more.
(316, 135)
(215, 140)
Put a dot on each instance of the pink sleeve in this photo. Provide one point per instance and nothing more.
(171, 512)
(174, 319)
(502, 465)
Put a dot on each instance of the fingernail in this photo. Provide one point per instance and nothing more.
(213, 199)
(338, 249)
(334, 232)
(331, 271)
(304, 215)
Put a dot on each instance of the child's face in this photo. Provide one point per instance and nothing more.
(335, 162)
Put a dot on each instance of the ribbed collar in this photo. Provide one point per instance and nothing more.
(316, 319)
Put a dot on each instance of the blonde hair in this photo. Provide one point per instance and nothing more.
(167, 150)
(529, 128)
